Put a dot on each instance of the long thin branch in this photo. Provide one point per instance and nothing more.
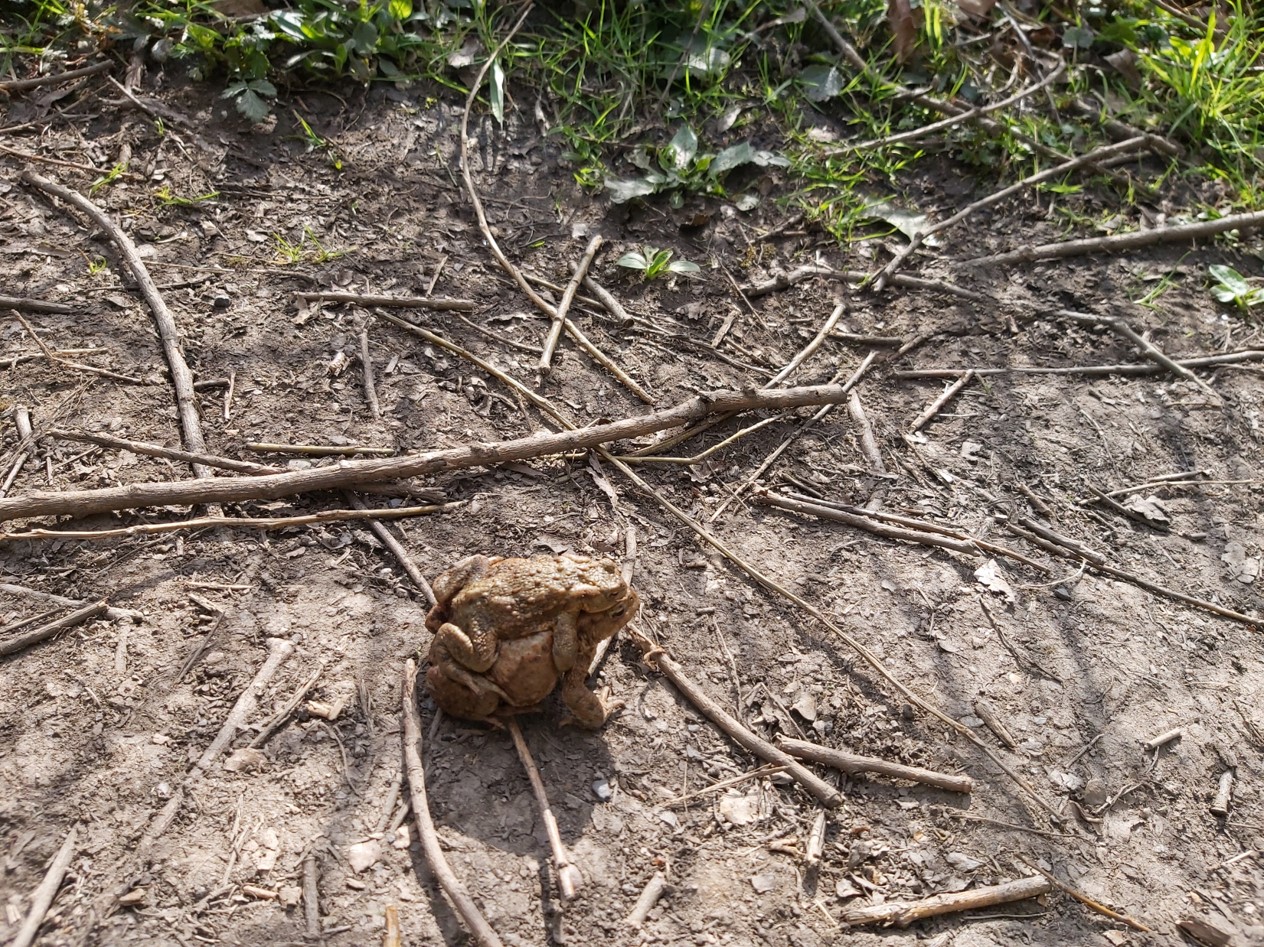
(42, 898)
(1198, 361)
(1091, 158)
(1180, 233)
(465, 907)
(181, 377)
(352, 472)
(44, 632)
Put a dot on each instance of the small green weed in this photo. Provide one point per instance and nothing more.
(168, 198)
(307, 250)
(654, 262)
(1232, 287)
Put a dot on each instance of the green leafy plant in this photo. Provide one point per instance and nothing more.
(654, 262)
(1232, 287)
(680, 166)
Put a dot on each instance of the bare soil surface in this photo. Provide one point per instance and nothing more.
(100, 726)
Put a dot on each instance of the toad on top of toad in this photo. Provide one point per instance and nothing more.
(506, 630)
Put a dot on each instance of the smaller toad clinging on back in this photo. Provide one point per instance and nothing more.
(507, 630)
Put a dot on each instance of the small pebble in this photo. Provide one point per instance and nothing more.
(601, 789)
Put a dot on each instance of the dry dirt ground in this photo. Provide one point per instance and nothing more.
(100, 726)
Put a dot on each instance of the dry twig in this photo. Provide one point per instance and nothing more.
(25, 85)
(569, 879)
(42, 897)
(181, 377)
(465, 907)
(1092, 158)
(350, 473)
(851, 763)
(1086, 900)
(824, 793)
(904, 913)
(1046, 538)
(44, 632)
(1180, 233)
(1199, 361)
(563, 307)
(395, 302)
(237, 522)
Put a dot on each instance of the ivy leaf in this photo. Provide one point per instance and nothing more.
(821, 83)
(623, 190)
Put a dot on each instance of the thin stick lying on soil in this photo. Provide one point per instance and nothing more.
(26, 441)
(1070, 549)
(366, 369)
(70, 363)
(1091, 158)
(916, 530)
(278, 651)
(1151, 351)
(44, 632)
(236, 522)
(353, 472)
(536, 299)
(25, 85)
(904, 913)
(319, 450)
(655, 657)
(937, 405)
(26, 304)
(563, 307)
(851, 763)
(786, 280)
(569, 879)
(396, 548)
(42, 897)
(113, 614)
(157, 450)
(1086, 900)
(396, 302)
(1199, 361)
(465, 907)
(1180, 233)
(649, 896)
(181, 377)
(794, 435)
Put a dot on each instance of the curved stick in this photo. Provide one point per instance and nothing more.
(181, 376)
(468, 911)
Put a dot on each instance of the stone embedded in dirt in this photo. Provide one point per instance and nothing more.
(763, 883)
(364, 855)
(245, 760)
(738, 809)
(1244, 568)
(601, 789)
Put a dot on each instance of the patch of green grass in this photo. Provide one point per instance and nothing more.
(308, 249)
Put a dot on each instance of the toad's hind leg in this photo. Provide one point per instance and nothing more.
(475, 651)
(459, 698)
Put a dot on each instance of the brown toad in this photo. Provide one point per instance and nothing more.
(506, 630)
